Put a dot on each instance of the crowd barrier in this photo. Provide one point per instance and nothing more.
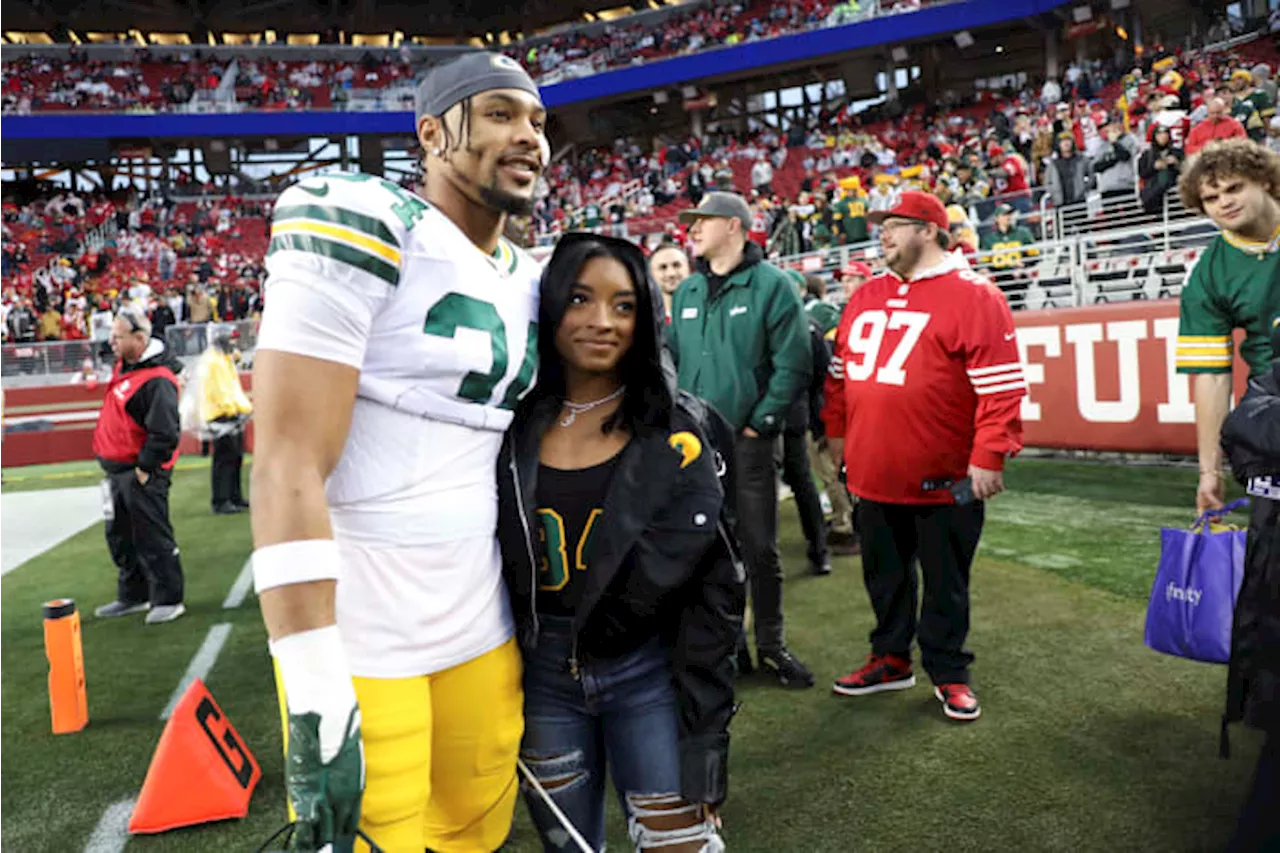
(1099, 378)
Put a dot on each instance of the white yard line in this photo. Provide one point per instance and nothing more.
(200, 665)
(240, 588)
(112, 832)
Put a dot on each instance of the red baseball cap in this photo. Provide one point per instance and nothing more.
(857, 268)
(914, 204)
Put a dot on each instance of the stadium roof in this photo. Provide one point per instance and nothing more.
(435, 18)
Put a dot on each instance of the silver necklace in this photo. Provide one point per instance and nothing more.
(576, 409)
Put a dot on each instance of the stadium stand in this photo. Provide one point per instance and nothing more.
(72, 254)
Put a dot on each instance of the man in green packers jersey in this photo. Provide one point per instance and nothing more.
(1251, 106)
(1234, 285)
(1004, 242)
(850, 215)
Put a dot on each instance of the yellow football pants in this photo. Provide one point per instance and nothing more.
(440, 755)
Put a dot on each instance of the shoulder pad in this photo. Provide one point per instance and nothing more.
(356, 220)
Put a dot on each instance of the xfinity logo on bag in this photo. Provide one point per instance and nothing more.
(1189, 595)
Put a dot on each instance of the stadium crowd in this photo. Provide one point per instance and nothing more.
(162, 83)
(71, 261)
(1102, 129)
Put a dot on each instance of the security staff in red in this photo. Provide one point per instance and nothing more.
(136, 442)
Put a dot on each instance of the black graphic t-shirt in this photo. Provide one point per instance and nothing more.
(570, 504)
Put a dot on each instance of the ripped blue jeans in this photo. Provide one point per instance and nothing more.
(619, 714)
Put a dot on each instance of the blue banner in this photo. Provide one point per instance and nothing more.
(929, 21)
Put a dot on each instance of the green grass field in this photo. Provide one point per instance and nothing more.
(1088, 740)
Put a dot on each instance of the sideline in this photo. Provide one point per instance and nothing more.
(37, 522)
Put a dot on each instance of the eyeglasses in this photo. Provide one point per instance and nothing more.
(896, 224)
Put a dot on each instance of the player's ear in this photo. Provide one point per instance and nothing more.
(431, 135)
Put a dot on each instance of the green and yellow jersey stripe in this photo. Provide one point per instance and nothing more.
(343, 235)
(1204, 352)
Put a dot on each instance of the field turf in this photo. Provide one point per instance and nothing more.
(1088, 740)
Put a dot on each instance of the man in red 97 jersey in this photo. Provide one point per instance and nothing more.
(922, 406)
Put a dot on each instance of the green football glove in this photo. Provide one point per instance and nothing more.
(324, 794)
(324, 762)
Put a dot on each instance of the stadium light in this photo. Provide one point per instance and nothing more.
(999, 48)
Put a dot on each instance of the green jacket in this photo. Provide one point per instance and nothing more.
(747, 351)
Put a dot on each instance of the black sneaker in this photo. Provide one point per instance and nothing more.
(843, 544)
(820, 567)
(784, 666)
(743, 660)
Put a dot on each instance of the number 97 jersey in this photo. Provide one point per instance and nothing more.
(925, 380)
(367, 274)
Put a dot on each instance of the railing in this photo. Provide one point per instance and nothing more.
(1085, 269)
(1099, 214)
(59, 362)
(33, 364)
(189, 340)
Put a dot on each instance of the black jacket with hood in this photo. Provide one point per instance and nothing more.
(1251, 440)
(663, 554)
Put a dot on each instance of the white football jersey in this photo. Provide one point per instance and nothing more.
(365, 273)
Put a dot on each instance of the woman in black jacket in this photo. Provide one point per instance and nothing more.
(1158, 169)
(1251, 440)
(627, 594)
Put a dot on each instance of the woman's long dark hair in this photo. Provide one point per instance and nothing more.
(647, 402)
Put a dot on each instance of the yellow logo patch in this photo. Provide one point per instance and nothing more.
(688, 444)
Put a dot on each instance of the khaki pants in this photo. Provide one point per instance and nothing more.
(825, 468)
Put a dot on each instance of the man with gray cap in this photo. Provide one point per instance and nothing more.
(740, 341)
(399, 335)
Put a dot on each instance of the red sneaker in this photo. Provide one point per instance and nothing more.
(880, 672)
(958, 701)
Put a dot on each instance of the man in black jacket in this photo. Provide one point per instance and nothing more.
(1251, 440)
(804, 416)
(136, 442)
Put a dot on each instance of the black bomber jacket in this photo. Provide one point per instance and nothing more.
(664, 551)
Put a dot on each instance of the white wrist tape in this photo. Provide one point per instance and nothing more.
(295, 562)
(317, 679)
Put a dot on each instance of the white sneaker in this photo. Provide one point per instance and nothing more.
(165, 613)
(120, 608)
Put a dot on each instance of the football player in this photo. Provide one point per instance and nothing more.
(399, 334)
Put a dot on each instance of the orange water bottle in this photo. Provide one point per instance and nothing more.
(67, 701)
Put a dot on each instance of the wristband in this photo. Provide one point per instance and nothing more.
(295, 562)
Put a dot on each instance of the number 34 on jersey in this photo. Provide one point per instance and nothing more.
(451, 332)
